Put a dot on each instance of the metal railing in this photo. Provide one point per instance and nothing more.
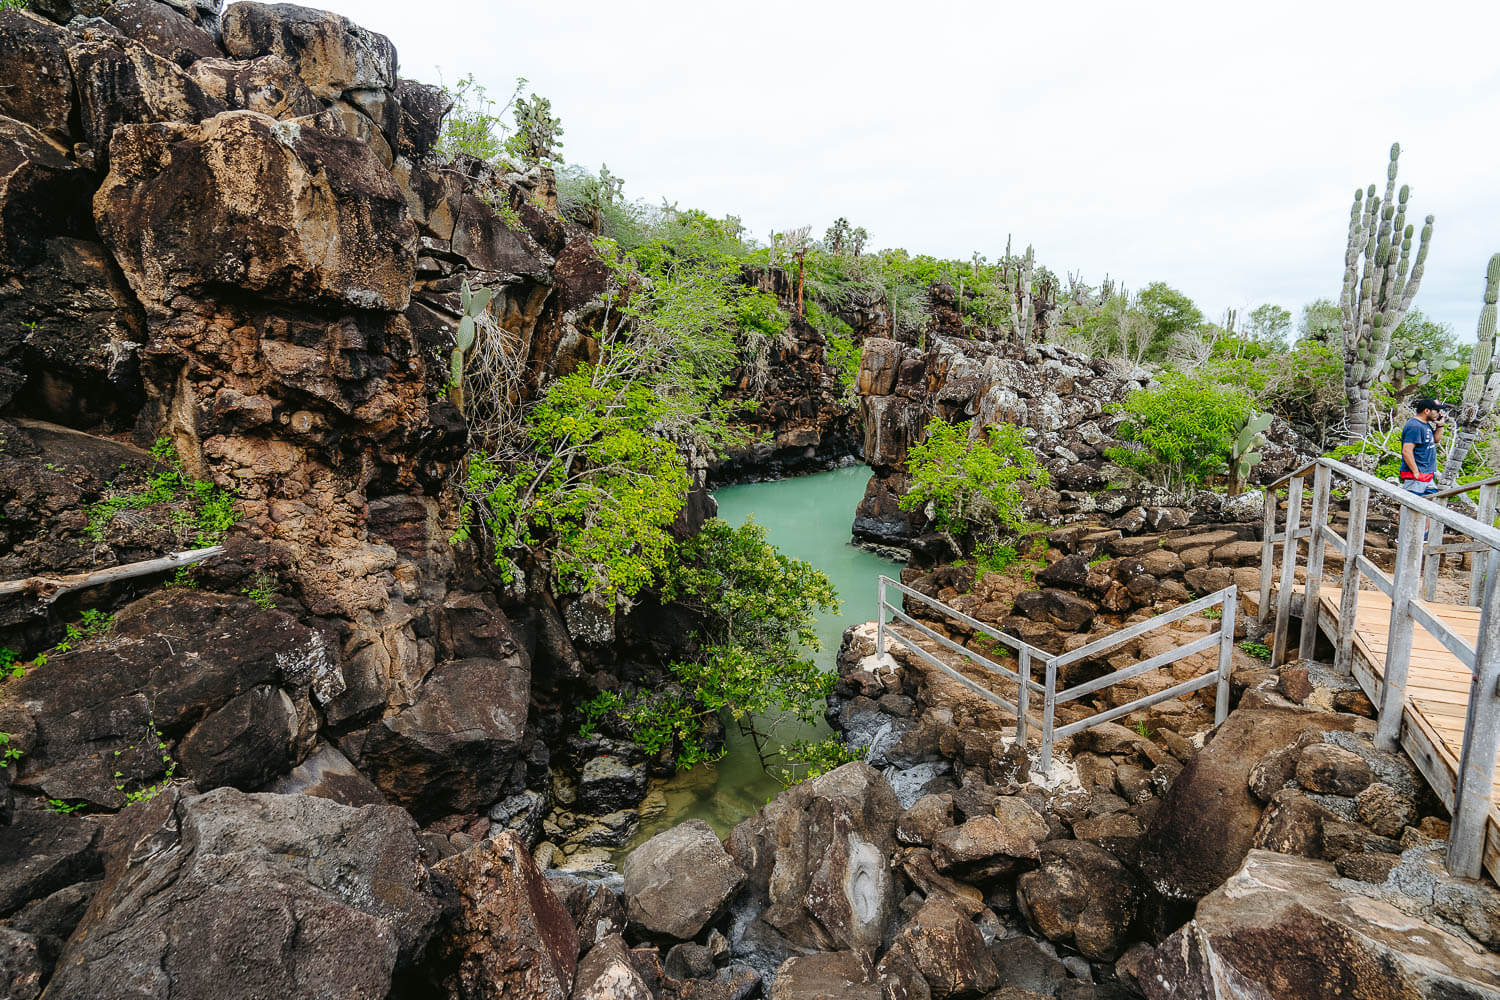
(1027, 656)
(1468, 797)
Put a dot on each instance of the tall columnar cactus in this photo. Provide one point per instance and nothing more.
(474, 302)
(1482, 390)
(1244, 453)
(1017, 276)
(1378, 292)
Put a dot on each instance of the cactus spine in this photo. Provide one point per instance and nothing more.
(1381, 277)
(1482, 389)
(1245, 453)
(474, 302)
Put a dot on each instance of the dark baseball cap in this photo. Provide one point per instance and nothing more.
(1426, 403)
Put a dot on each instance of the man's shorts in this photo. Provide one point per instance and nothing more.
(1418, 487)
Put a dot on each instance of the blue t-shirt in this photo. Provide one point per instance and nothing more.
(1418, 433)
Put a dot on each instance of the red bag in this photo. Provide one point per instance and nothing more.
(1421, 477)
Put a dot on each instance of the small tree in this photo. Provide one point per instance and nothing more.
(1182, 430)
(1381, 277)
(1320, 322)
(1482, 389)
(757, 610)
(1269, 324)
(969, 482)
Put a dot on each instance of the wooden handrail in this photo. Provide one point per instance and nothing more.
(1461, 488)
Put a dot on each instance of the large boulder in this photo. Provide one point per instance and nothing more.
(286, 210)
(1081, 895)
(423, 108)
(164, 31)
(121, 82)
(1282, 927)
(241, 896)
(511, 937)
(1207, 820)
(453, 748)
(606, 973)
(844, 974)
(35, 50)
(989, 846)
(177, 657)
(680, 880)
(42, 194)
(72, 330)
(947, 949)
(268, 85)
(330, 52)
(817, 857)
(43, 852)
(250, 740)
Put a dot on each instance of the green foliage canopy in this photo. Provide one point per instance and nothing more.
(971, 484)
(1182, 430)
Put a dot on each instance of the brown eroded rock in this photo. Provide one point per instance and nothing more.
(330, 52)
(680, 880)
(1208, 817)
(947, 949)
(35, 50)
(987, 847)
(121, 82)
(817, 857)
(286, 210)
(1081, 895)
(1323, 767)
(240, 896)
(511, 937)
(1280, 927)
(268, 85)
(42, 195)
(164, 31)
(606, 973)
(844, 974)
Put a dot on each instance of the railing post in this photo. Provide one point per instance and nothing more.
(1479, 564)
(1354, 550)
(1432, 561)
(1226, 654)
(1311, 611)
(1399, 632)
(1288, 570)
(1474, 787)
(1023, 695)
(1049, 709)
(1267, 556)
(880, 628)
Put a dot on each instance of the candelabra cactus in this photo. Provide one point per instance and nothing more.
(1482, 389)
(1378, 292)
(474, 302)
(1245, 453)
(1016, 273)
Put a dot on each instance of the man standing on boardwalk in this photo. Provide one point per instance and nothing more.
(1419, 445)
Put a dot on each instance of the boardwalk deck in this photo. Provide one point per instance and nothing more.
(1437, 689)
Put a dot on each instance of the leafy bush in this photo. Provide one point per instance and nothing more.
(757, 609)
(971, 485)
(1182, 431)
(843, 352)
(475, 126)
(197, 510)
(1259, 650)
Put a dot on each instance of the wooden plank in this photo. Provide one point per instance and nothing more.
(1481, 742)
(1348, 606)
(1267, 555)
(1315, 548)
(1398, 648)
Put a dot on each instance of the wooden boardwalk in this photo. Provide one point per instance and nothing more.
(1437, 691)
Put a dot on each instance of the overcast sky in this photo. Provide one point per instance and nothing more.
(1215, 147)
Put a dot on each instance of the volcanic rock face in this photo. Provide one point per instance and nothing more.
(233, 895)
(1278, 928)
(816, 861)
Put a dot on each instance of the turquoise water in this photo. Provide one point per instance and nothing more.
(808, 518)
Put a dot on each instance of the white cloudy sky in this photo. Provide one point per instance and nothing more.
(1215, 151)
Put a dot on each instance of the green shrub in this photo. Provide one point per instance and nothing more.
(1259, 650)
(843, 352)
(757, 609)
(198, 511)
(971, 485)
(1182, 431)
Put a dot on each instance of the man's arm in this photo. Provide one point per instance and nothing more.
(1408, 456)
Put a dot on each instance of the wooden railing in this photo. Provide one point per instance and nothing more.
(1028, 656)
(1468, 797)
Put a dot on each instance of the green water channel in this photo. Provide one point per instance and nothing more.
(807, 518)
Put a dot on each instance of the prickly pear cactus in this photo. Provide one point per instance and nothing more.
(474, 302)
(1245, 453)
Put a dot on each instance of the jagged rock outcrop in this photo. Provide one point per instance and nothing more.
(815, 856)
(233, 895)
(1282, 927)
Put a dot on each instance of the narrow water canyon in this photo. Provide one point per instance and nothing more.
(807, 518)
